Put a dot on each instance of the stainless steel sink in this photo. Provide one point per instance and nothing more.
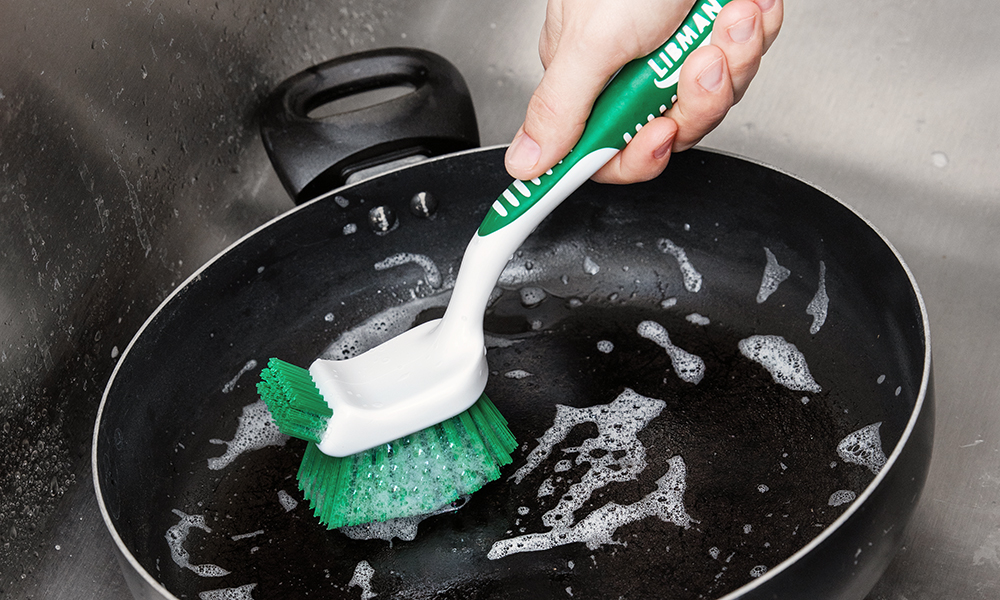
(129, 155)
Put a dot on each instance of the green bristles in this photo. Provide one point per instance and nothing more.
(413, 475)
(294, 400)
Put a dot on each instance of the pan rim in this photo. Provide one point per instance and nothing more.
(826, 533)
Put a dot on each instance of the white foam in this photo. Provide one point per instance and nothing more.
(598, 528)
(605, 346)
(231, 384)
(531, 296)
(758, 571)
(590, 267)
(774, 274)
(692, 278)
(380, 328)
(820, 303)
(864, 447)
(363, 578)
(256, 430)
(689, 368)
(841, 497)
(403, 528)
(431, 273)
(669, 302)
(177, 535)
(697, 319)
(236, 593)
(615, 454)
(782, 360)
(244, 536)
(517, 374)
(350, 228)
(286, 501)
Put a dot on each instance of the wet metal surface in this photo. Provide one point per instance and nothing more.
(129, 156)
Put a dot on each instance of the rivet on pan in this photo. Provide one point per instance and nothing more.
(423, 204)
(382, 219)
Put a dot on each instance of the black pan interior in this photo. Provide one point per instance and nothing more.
(760, 460)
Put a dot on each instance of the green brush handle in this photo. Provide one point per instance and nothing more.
(643, 89)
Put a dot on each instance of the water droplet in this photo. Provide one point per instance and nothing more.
(423, 204)
(382, 219)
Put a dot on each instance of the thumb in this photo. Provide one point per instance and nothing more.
(557, 111)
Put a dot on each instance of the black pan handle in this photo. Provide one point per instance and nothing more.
(312, 156)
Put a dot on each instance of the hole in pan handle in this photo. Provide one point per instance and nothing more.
(313, 154)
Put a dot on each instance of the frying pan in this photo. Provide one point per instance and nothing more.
(734, 486)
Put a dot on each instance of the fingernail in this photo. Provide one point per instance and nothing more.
(665, 147)
(710, 77)
(765, 5)
(742, 31)
(524, 152)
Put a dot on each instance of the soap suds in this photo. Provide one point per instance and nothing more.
(615, 454)
(598, 528)
(605, 346)
(177, 535)
(689, 368)
(590, 267)
(256, 430)
(231, 384)
(431, 273)
(774, 274)
(841, 497)
(363, 578)
(531, 296)
(403, 528)
(697, 319)
(287, 502)
(236, 593)
(818, 306)
(380, 328)
(517, 374)
(864, 447)
(782, 360)
(692, 278)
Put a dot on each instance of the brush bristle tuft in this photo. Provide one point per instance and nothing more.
(294, 400)
(413, 475)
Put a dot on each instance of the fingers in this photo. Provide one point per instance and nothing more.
(774, 13)
(712, 80)
(583, 43)
(716, 77)
(644, 157)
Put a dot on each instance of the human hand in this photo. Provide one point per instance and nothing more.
(584, 42)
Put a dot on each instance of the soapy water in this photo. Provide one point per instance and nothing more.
(178, 534)
(287, 502)
(256, 430)
(841, 497)
(864, 447)
(231, 384)
(431, 273)
(782, 360)
(820, 303)
(774, 274)
(615, 454)
(599, 527)
(692, 278)
(236, 593)
(403, 528)
(517, 374)
(362, 578)
(531, 296)
(689, 368)
(380, 328)
(697, 319)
